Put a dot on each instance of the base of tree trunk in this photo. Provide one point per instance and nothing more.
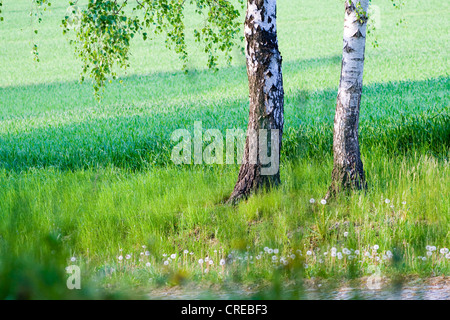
(344, 180)
(250, 181)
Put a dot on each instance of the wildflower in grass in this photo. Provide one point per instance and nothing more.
(389, 253)
(148, 264)
(211, 262)
(443, 250)
(429, 253)
(428, 248)
(141, 254)
(387, 200)
(392, 206)
(346, 234)
(191, 253)
(325, 253)
(206, 259)
(270, 251)
(147, 253)
(222, 262)
(166, 263)
(173, 256)
(404, 202)
(274, 258)
(323, 201)
(120, 258)
(357, 252)
(200, 261)
(144, 246)
(447, 256)
(164, 255)
(308, 253)
(384, 257)
(266, 249)
(73, 259)
(312, 200)
(333, 254)
(424, 258)
(292, 256)
(186, 251)
(333, 249)
(433, 248)
(366, 254)
(258, 257)
(275, 251)
(377, 258)
(339, 255)
(128, 256)
(346, 251)
(376, 247)
(320, 260)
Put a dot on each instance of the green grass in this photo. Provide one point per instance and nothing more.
(84, 178)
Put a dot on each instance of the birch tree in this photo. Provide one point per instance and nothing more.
(348, 172)
(266, 98)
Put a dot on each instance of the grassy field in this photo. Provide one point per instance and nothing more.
(94, 181)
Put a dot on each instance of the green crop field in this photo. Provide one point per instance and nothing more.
(93, 180)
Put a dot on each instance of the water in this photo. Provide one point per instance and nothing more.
(436, 289)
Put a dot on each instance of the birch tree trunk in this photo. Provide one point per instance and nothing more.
(348, 171)
(266, 97)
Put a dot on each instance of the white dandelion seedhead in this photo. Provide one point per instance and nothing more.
(346, 234)
(333, 254)
(424, 258)
(128, 256)
(404, 202)
(333, 249)
(275, 251)
(164, 255)
(447, 256)
(443, 250)
(186, 251)
(120, 258)
(323, 201)
(308, 253)
(206, 259)
(292, 256)
(346, 251)
(147, 253)
(210, 262)
(274, 258)
(200, 261)
(173, 256)
(258, 257)
(222, 262)
(148, 264)
(339, 255)
(376, 247)
(387, 201)
(357, 252)
(166, 262)
(270, 251)
(312, 200)
(73, 259)
(429, 253)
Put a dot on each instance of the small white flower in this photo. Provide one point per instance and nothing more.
(270, 251)
(357, 252)
(147, 253)
(211, 262)
(346, 234)
(191, 253)
(333, 254)
(447, 256)
(346, 251)
(166, 262)
(200, 261)
(173, 256)
(443, 250)
(308, 253)
(387, 200)
(73, 259)
(128, 256)
(312, 200)
(266, 249)
(274, 258)
(376, 247)
(404, 202)
(258, 257)
(165, 255)
(424, 258)
(148, 264)
(222, 262)
(206, 259)
(186, 251)
(339, 255)
(389, 253)
(120, 258)
(429, 253)
(292, 256)
(333, 249)
(275, 251)
(323, 201)
(391, 206)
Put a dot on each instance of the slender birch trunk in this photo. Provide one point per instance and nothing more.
(348, 171)
(266, 97)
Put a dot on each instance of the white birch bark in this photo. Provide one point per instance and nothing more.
(348, 169)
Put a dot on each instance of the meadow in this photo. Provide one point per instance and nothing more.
(91, 183)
